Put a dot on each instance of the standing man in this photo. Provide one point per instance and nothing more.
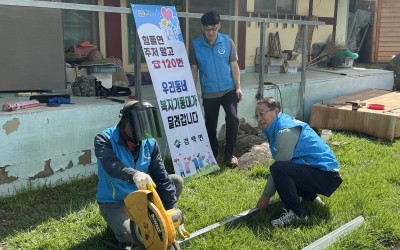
(214, 58)
(304, 164)
(127, 162)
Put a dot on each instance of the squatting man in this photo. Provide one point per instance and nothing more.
(304, 164)
(129, 160)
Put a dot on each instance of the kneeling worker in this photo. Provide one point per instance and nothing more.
(128, 162)
(304, 164)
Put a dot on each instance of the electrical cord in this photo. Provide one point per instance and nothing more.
(279, 90)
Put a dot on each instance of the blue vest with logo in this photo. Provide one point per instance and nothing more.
(112, 189)
(213, 63)
(310, 148)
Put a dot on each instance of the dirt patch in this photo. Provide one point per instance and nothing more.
(5, 220)
(251, 145)
(395, 246)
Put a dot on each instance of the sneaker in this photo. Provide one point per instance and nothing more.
(318, 200)
(286, 218)
(231, 161)
(125, 246)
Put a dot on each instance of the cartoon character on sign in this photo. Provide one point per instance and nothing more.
(180, 167)
(196, 163)
(211, 159)
(200, 161)
(169, 24)
(187, 164)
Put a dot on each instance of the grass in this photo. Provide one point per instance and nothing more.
(66, 216)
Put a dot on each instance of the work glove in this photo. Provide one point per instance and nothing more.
(182, 232)
(142, 180)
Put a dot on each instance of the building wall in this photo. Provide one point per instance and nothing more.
(288, 35)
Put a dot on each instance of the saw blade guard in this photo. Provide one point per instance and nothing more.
(152, 225)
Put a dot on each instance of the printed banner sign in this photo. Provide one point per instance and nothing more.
(164, 49)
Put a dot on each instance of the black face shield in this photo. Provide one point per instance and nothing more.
(143, 120)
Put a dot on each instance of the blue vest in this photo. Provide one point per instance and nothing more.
(214, 64)
(111, 189)
(310, 149)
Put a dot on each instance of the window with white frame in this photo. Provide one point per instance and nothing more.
(275, 6)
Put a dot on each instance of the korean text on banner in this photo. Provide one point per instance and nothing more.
(164, 49)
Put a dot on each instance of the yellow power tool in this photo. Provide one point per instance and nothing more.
(153, 227)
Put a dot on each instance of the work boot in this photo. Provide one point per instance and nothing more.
(231, 160)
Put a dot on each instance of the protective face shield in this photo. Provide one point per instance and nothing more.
(143, 120)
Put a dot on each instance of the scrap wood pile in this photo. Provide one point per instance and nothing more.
(331, 54)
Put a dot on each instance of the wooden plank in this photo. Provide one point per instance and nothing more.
(390, 5)
(389, 38)
(387, 19)
(389, 14)
(380, 123)
(387, 54)
(388, 44)
(390, 10)
(389, 49)
(390, 30)
(384, 59)
(389, 25)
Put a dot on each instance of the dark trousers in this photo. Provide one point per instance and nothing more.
(117, 219)
(293, 181)
(211, 112)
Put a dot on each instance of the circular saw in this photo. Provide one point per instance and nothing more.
(153, 227)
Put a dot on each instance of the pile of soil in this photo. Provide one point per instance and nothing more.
(394, 65)
(251, 145)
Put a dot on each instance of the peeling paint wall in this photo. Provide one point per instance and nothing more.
(42, 145)
(4, 177)
(11, 126)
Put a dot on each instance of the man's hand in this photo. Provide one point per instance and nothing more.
(263, 202)
(141, 180)
(182, 232)
(239, 94)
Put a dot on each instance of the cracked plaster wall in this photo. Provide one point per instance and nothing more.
(49, 146)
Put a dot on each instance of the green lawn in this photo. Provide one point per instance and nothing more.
(66, 216)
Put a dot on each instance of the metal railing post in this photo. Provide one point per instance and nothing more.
(137, 68)
(303, 71)
(262, 61)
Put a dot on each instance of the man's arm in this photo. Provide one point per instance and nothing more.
(165, 186)
(236, 74)
(111, 163)
(235, 70)
(286, 140)
(269, 191)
